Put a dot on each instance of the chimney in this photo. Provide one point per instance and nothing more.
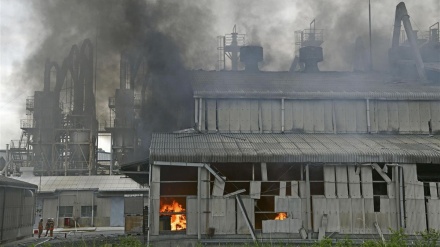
(310, 56)
(251, 56)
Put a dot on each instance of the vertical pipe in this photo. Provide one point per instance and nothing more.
(397, 194)
(93, 207)
(369, 26)
(149, 206)
(282, 115)
(308, 200)
(3, 214)
(368, 117)
(111, 154)
(224, 53)
(199, 206)
(401, 198)
(58, 209)
(7, 153)
(200, 114)
(196, 112)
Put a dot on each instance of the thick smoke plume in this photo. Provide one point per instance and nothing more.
(182, 33)
(171, 35)
(269, 24)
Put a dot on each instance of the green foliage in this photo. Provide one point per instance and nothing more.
(130, 241)
(370, 243)
(345, 243)
(398, 238)
(429, 238)
(326, 242)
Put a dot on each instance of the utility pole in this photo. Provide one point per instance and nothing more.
(369, 26)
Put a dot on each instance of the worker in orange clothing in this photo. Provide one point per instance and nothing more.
(52, 225)
(40, 228)
(47, 226)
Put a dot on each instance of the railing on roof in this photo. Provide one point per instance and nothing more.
(27, 123)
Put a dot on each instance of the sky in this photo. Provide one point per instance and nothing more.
(30, 33)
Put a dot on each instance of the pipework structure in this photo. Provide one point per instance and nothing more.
(125, 108)
(61, 128)
(229, 46)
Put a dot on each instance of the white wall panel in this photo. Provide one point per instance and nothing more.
(341, 181)
(298, 115)
(361, 116)
(211, 118)
(266, 115)
(393, 116)
(234, 116)
(435, 116)
(223, 115)
(254, 112)
(318, 116)
(276, 115)
(404, 125)
(414, 116)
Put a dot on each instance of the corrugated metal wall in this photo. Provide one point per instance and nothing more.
(320, 116)
(17, 213)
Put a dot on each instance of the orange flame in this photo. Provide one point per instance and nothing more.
(178, 221)
(281, 216)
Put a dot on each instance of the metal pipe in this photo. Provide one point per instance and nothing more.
(368, 117)
(199, 206)
(402, 16)
(397, 194)
(149, 205)
(93, 207)
(282, 115)
(196, 111)
(58, 209)
(369, 26)
(309, 203)
(3, 213)
(200, 114)
(401, 198)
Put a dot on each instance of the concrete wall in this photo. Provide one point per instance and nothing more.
(319, 116)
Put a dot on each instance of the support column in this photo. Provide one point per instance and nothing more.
(309, 204)
(154, 200)
(199, 205)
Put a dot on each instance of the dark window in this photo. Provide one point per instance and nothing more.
(65, 211)
(86, 211)
(376, 201)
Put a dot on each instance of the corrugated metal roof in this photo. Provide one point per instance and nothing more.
(328, 85)
(325, 148)
(102, 183)
(6, 181)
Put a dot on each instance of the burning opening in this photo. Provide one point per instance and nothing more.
(281, 216)
(172, 214)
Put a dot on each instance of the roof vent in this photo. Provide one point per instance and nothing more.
(251, 56)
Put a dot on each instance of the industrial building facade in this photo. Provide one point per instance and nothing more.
(88, 201)
(328, 152)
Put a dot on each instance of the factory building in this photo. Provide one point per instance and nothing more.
(303, 155)
(17, 208)
(98, 201)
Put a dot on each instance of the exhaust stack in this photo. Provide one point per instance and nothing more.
(251, 56)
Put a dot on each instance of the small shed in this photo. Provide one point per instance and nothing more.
(17, 209)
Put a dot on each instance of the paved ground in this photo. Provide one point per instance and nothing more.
(70, 236)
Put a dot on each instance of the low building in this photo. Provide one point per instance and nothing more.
(17, 209)
(87, 200)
